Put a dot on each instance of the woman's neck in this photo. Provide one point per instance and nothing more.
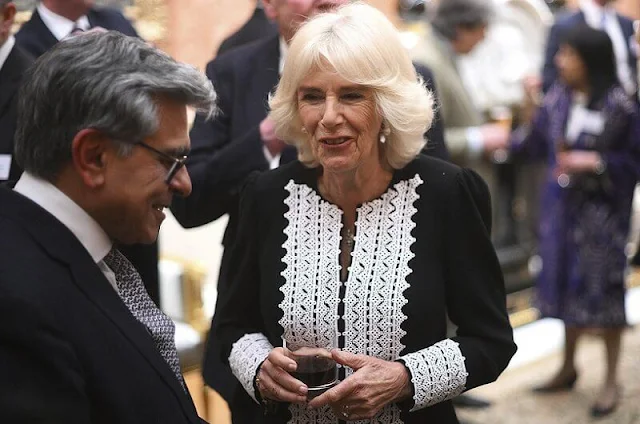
(349, 189)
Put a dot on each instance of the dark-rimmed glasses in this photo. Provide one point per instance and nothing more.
(176, 162)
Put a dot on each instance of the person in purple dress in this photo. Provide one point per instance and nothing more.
(588, 131)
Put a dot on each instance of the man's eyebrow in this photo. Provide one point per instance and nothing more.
(178, 152)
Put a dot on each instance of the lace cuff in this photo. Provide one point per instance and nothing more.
(246, 356)
(438, 373)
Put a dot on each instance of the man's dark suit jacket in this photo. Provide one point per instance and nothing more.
(35, 37)
(70, 350)
(258, 27)
(10, 76)
(565, 23)
(226, 150)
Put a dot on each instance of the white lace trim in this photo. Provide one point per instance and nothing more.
(374, 294)
(438, 373)
(311, 274)
(246, 356)
(378, 274)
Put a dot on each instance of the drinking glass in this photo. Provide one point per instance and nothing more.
(315, 366)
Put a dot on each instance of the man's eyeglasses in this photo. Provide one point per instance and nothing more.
(176, 162)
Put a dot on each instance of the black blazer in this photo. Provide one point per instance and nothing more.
(10, 77)
(258, 27)
(422, 252)
(225, 150)
(70, 350)
(35, 37)
(565, 23)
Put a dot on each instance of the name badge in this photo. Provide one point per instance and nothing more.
(5, 166)
(594, 122)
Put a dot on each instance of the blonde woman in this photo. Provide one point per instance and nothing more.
(363, 245)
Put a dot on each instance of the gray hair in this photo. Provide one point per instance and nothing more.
(452, 14)
(100, 80)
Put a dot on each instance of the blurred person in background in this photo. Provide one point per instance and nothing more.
(14, 62)
(54, 20)
(102, 134)
(241, 140)
(258, 27)
(588, 131)
(457, 27)
(598, 14)
(364, 242)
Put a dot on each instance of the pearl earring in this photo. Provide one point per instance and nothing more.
(304, 130)
(384, 132)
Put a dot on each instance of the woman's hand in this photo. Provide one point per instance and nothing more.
(577, 161)
(273, 380)
(374, 384)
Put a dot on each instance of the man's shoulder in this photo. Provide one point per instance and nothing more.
(111, 19)
(18, 61)
(568, 19)
(29, 29)
(246, 57)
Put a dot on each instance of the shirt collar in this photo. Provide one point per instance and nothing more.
(593, 13)
(284, 48)
(60, 26)
(5, 50)
(69, 213)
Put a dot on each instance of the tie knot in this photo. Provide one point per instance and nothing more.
(118, 263)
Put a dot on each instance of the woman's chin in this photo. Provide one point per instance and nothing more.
(338, 165)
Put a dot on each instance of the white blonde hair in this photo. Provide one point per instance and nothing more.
(361, 45)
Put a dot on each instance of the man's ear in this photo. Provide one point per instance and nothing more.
(90, 152)
(8, 15)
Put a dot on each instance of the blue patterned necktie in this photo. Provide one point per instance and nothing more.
(136, 298)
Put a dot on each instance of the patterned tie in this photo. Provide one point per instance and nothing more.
(136, 298)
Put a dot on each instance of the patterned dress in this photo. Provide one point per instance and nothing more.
(584, 218)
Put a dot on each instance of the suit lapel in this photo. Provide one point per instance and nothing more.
(10, 75)
(90, 280)
(43, 33)
(61, 245)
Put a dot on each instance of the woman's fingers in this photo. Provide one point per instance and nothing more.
(277, 383)
(278, 358)
(273, 389)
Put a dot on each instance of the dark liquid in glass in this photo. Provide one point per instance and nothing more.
(315, 371)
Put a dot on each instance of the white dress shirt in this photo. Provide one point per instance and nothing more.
(72, 216)
(60, 26)
(605, 19)
(5, 49)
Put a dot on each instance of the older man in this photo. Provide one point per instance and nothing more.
(52, 21)
(14, 61)
(239, 141)
(103, 136)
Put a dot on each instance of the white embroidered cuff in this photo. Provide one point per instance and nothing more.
(246, 356)
(438, 373)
